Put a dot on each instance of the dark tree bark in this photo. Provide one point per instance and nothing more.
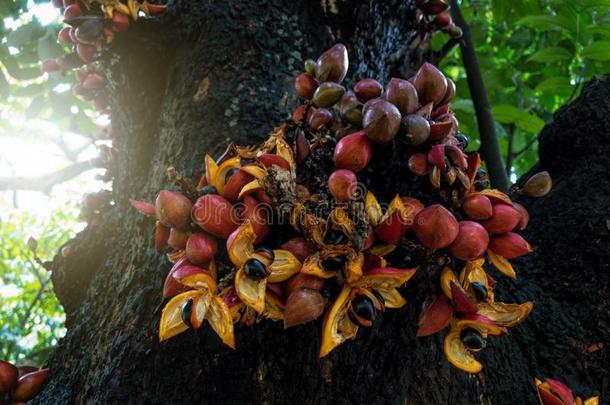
(214, 71)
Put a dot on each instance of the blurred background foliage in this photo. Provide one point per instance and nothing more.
(534, 54)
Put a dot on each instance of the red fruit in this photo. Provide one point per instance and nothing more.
(403, 95)
(299, 114)
(120, 22)
(215, 215)
(524, 218)
(72, 11)
(171, 286)
(93, 81)
(353, 152)
(413, 205)
(368, 89)
(509, 245)
(57, 3)
(63, 37)
(161, 236)
(235, 183)
(143, 207)
(259, 216)
(332, 65)
(201, 248)
(100, 103)
(299, 247)
(8, 376)
(462, 302)
(268, 160)
(50, 65)
(471, 241)
(305, 85)
(504, 219)
(435, 227)
(301, 280)
(69, 2)
(435, 316)
(302, 306)
(381, 121)
(156, 9)
(418, 164)
(443, 20)
(319, 117)
(85, 52)
(23, 370)
(430, 84)
(177, 239)
(393, 228)
(343, 184)
(561, 390)
(477, 207)
(173, 209)
(29, 385)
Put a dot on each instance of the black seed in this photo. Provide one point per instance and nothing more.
(364, 308)
(230, 173)
(462, 139)
(480, 291)
(266, 252)
(334, 263)
(334, 237)
(209, 189)
(480, 173)
(472, 339)
(187, 310)
(255, 269)
(481, 185)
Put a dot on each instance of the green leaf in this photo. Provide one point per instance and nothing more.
(48, 47)
(35, 107)
(29, 91)
(551, 54)
(542, 23)
(553, 84)
(25, 34)
(4, 87)
(463, 104)
(598, 50)
(505, 113)
(18, 72)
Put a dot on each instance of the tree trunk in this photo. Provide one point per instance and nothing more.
(210, 72)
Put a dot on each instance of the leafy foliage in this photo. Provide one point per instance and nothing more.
(535, 56)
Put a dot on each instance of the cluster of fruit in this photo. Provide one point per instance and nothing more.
(434, 16)
(19, 384)
(553, 392)
(336, 210)
(91, 24)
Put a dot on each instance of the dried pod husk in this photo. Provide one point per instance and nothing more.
(177, 239)
(435, 227)
(471, 242)
(350, 109)
(23, 370)
(561, 390)
(319, 117)
(269, 159)
(332, 65)
(395, 223)
(8, 376)
(440, 129)
(524, 219)
(328, 94)
(477, 207)
(510, 245)
(173, 209)
(29, 385)
(201, 248)
(504, 219)
(538, 185)
(259, 215)
(403, 95)
(368, 89)
(303, 305)
(302, 147)
(235, 183)
(298, 115)
(161, 236)
(215, 215)
(353, 152)
(430, 84)
(417, 129)
(305, 85)
(461, 301)
(418, 164)
(435, 316)
(381, 121)
(171, 287)
(343, 184)
(299, 247)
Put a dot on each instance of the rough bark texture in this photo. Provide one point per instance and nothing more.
(238, 59)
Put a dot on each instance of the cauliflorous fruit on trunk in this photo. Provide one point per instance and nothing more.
(418, 164)
(368, 89)
(510, 245)
(302, 306)
(435, 227)
(430, 84)
(301, 280)
(353, 152)
(30, 385)
(305, 85)
(215, 215)
(319, 117)
(471, 241)
(504, 218)
(50, 65)
(381, 121)
(8, 376)
(403, 95)
(332, 65)
(524, 218)
(538, 185)
(201, 248)
(477, 207)
(173, 209)
(343, 184)
(258, 214)
(299, 247)
(328, 94)
(177, 239)
(417, 129)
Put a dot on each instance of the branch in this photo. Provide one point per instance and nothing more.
(47, 181)
(490, 150)
(444, 51)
